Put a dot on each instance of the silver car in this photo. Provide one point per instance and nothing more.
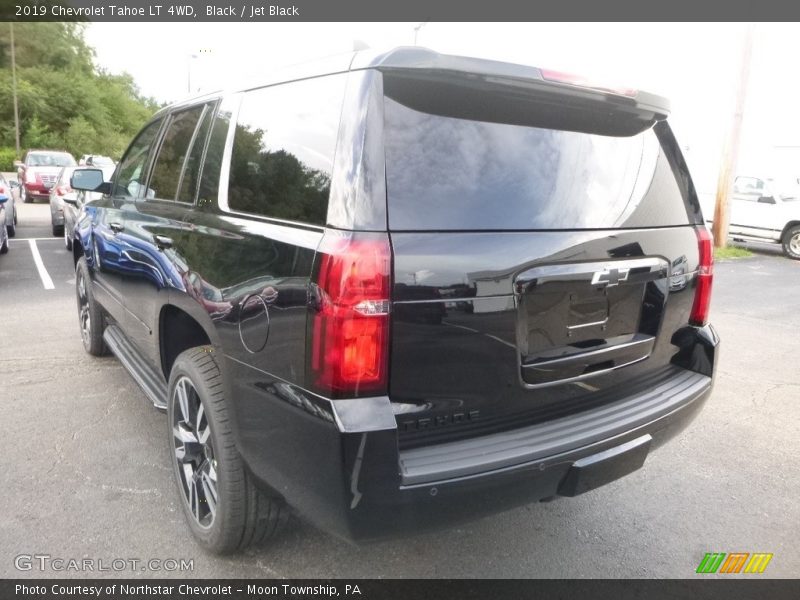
(60, 193)
(4, 197)
(9, 189)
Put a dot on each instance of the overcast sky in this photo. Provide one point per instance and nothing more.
(695, 65)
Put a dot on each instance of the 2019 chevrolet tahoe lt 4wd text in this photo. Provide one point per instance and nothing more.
(400, 290)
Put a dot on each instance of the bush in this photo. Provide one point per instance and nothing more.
(7, 158)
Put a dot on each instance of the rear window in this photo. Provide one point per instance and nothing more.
(445, 173)
(50, 159)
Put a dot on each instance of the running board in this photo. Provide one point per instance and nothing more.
(150, 381)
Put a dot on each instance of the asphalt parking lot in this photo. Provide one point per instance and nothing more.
(85, 469)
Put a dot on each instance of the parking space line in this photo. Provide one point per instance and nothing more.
(43, 274)
(41, 239)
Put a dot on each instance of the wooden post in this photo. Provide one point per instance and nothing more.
(730, 156)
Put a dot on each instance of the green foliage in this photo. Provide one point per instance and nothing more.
(37, 135)
(731, 252)
(7, 158)
(65, 103)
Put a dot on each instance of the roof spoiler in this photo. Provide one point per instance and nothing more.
(462, 87)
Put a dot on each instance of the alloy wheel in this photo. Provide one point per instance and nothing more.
(84, 315)
(194, 453)
(794, 244)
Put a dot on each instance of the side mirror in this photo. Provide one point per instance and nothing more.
(88, 180)
(3, 198)
(766, 200)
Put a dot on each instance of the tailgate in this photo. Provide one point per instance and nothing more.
(541, 264)
(503, 330)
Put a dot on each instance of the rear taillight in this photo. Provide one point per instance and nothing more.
(705, 275)
(350, 315)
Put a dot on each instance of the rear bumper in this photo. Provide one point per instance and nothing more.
(348, 476)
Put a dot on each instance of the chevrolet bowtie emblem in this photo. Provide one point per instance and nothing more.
(610, 277)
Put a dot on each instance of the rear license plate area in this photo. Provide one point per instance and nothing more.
(576, 320)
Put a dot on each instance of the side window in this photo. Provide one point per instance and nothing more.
(172, 153)
(132, 166)
(191, 170)
(283, 150)
(749, 188)
(209, 180)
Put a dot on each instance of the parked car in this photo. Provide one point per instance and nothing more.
(765, 209)
(38, 172)
(318, 213)
(66, 203)
(95, 160)
(4, 200)
(7, 189)
(60, 191)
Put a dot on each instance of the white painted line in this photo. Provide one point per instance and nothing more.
(37, 258)
(44, 239)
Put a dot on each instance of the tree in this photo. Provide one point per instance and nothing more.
(65, 102)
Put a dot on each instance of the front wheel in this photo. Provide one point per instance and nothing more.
(791, 242)
(67, 241)
(224, 508)
(90, 315)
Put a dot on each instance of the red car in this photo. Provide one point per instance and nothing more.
(38, 172)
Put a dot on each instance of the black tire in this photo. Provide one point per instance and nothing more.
(791, 242)
(58, 230)
(24, 195)
(4, 247)
(91, 318)
(243, 515)
(12, 229)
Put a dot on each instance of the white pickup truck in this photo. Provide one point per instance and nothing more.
(764, 209)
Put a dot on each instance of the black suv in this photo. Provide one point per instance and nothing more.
(400, 290)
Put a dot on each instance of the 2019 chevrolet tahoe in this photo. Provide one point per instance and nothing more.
(399, 290)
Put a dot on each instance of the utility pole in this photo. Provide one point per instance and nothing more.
(730, 154)
(14, 88)
(416, 30)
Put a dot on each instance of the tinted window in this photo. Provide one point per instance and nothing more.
(209, 181)
(283, 150)
(191, 170)
(451, 173)
(133, 165)
(172, 154)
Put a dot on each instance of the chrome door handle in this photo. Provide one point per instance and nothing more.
(163, 242)
(116, 227)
